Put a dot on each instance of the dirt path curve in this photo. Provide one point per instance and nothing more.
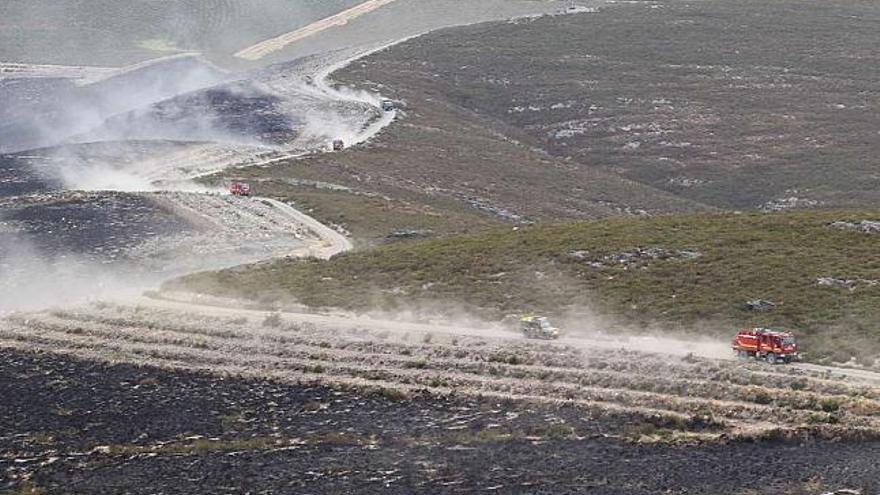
(332, 242)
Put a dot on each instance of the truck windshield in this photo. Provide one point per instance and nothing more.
(546, 324)
(788, 341)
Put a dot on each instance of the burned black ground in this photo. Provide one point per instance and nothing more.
(236, 112)
(18, 177)
(48, 113)
(70, 426)
(99, 226)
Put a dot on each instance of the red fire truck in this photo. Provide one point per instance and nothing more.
(763, 343)
(240, 189)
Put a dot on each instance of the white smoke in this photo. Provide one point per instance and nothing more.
(73, 111)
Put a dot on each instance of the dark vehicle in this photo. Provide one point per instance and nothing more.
(538, 327)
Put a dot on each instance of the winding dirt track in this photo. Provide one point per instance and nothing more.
(331, 243)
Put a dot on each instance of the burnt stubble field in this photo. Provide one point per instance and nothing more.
(71, 426)
(118, 399)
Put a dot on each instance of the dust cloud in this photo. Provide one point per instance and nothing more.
(591, 328)
(31, 279)
(583, 328)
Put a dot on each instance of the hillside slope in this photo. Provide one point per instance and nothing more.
(690, 273)
(589, 115)
(739, 104)
(462, 163)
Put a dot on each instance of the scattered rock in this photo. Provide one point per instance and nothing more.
(328, 186)
(761, 305)
(789, 203)
(637, 257)
(578, 9)
(846, 283)
(686, 182)
(837, 282)
(624, 209)
(498, 211)
(866, 226)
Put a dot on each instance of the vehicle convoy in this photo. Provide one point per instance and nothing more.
(240, 189)
(763, 343)
(538, 327)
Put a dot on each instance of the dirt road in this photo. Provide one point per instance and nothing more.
(694, 395)
(588, 341)
(264, 48)
(331, 242)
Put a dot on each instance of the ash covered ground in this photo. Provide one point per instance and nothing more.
(79, 427)
(63, 246)
(98, 225)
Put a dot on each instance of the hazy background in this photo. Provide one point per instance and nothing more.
(122, 32)
(113, 32)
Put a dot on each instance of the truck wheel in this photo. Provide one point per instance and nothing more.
(771, 358)
(743, 355)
